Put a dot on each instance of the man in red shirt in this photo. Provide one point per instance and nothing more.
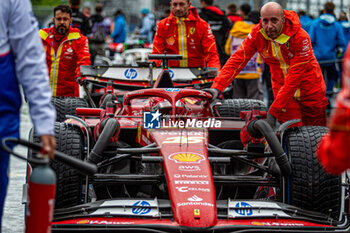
(296, 77)
(185, 33)
(66, 50)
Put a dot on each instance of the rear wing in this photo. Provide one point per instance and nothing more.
(142, 76)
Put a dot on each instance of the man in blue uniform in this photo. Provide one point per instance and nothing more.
(22, 62)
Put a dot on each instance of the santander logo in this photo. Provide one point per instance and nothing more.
(195, 198)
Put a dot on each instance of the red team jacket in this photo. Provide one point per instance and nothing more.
(191, 37)
(295, 72)
(333, 151)
(64, 60)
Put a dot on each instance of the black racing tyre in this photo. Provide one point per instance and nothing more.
(67, 105)
(233, 107)
(70, 141)
(310, 187)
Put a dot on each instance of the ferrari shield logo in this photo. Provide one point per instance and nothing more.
(197, 212)
(192, 30)
(186, 157)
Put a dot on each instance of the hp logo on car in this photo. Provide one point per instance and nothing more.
(142, 207)
(171, 74)
(244, 209)
(130, 73)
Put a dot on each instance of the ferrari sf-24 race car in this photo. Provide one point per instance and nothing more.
(169, 160)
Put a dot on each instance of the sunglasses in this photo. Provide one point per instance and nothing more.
(64, 19)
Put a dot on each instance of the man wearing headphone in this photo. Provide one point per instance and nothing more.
(296, 77)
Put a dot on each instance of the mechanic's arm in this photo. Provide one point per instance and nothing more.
(209, 47)
(83, 55)
(300, 66)
(235, 63)
(31, 69)
(159, 42)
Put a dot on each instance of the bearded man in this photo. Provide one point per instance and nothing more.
(185, 33)
(66, 50)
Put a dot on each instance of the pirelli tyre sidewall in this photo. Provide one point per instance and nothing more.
(67, 105)
(233, 107)
(310, 187)
(70, 141)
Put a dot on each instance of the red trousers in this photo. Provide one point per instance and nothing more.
(309, 112)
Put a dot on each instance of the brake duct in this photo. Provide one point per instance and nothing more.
(259, 128)
(109, 128)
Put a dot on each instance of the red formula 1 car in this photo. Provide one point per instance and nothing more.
(171, 161)
(126, 78)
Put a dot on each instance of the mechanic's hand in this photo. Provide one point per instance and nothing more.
(271, 120)
(49, 145)
(214, 93)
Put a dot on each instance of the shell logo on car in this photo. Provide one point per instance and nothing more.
(188, 157)
(83, 222)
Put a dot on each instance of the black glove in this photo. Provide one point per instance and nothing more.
(214, 93)
(271, 120)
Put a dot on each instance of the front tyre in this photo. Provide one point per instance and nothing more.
(233, 107)
(69, 182)
(67, 106)
(310, 187)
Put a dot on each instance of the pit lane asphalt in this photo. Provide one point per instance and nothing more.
(13, 219)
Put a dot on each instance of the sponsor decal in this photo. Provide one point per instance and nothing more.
(190, 176)
(306, 48)
(278, 224)
(141, 208)
(290, 55)
(104, 222)
(136, 112)
(195, 198)
(172, 89)
(192, 30)
(195, 203)
(265, 53)
(196, 212)
(151, 120)
(191, 182)
(183, 139)
(188, 157)
(172, 75)
(130, 73)
(189, 168)
(83, 222)
(210, 32)
(170, 40)
(185, 189)
(244, 209)
(173, 132)
(70, 50)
